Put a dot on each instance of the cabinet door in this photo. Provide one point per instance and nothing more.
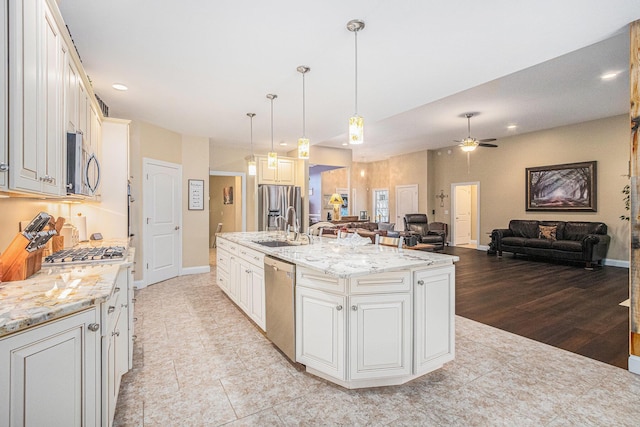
(380, 336)
(266, 175)
(234, 278)
(320, 331)
(71, 79)
(36, 394)
(36, 70)
(4, 100)
(286, 172)
(256, 309)
(244, 284)
(434, 296)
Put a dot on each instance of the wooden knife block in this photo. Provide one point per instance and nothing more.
(18, 264)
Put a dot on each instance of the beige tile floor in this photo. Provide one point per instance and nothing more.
(199, 362)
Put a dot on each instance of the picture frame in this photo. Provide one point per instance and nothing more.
(196, 195)
(227, 195)
(363, 215)
(570, 187)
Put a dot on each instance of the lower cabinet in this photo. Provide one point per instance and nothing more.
(320, 331)
(240, 274)
(434, 307)
(49, 375)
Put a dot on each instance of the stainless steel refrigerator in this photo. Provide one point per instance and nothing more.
(273, 202)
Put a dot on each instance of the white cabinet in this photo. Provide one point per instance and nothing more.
(49, 374)
(284, 174)
(240, 274)
(434, 307)
(117, 336)
(380, 336)
(36, 102)
(320, 331)
(4, 100)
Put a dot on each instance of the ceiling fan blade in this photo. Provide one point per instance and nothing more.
(482, 144)
(486, 140)
(457, 140)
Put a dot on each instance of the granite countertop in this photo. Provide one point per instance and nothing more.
(337, 258)
(56, 291)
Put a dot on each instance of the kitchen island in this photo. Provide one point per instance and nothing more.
(365, 315)
(65, 341)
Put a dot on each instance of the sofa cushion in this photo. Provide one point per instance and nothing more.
(524, 228)
(576, 230)
(567, 245)
(547, 232)
(538, 243)
(513, 241)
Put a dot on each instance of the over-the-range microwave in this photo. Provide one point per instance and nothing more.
(83, 169)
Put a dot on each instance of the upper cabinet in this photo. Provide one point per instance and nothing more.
(48, 96)
(4, 100)
(284, 174)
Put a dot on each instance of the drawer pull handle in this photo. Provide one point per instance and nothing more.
(111, 309)
(93, 327)
(115, 333)
(380, 282)
(421, 282)
(319, 278)
(116, 290)
(339, 308)
(354, 307)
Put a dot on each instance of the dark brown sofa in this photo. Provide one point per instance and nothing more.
(578, 241)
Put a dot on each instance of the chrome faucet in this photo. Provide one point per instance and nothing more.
(280, 217)
(296, 224)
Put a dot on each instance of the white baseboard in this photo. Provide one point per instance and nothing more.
(616, 263)
(195, 270)
(634, 364)
(139, 284)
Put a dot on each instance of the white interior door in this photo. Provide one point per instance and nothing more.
(406, 203)
(162, 217)
(462, 215)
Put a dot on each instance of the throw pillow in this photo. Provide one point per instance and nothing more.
(386, 226)
(547, 232)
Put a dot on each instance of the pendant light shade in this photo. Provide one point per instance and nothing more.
(272, 156)
(356, 123)
(251, 163)
(303, 143)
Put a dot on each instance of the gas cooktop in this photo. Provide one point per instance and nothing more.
(86, 255)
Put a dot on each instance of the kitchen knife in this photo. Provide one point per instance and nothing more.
(39, 240)
(36, 225)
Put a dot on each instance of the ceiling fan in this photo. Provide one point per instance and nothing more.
(469, 143)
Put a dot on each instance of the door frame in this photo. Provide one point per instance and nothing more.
(146, 161)
(452, 232)
(243, 185)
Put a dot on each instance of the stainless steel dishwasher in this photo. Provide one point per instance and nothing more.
(280, 299)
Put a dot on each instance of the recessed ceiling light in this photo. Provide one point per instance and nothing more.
(609, 76)
(119, 86)
(345, 143)
(512, 126)
(283, 144)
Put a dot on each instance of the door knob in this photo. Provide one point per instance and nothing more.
(177, 227)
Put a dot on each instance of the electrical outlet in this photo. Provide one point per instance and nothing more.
(446, 212)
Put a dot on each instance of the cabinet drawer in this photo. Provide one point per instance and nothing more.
(317, 280)
(227, 246)
(222, 260)
(223, 281)
(396, 281)
(112, 308)
(251, 256)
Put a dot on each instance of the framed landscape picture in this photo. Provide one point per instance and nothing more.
(568, 187)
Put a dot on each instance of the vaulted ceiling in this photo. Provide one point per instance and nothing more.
(197, 67)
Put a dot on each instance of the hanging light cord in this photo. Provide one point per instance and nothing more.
(356, 85)
(271, 124)
(304, 134)
(251, 117)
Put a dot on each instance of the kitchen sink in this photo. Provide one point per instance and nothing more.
(273, 243)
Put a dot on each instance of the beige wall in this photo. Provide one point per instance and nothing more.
(221, 213)
(501, 173)
(329, 182)
(195, 223)
(149, 141)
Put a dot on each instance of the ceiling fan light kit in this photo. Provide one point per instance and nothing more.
(469, 144)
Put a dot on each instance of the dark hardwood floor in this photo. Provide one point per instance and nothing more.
(562, 305)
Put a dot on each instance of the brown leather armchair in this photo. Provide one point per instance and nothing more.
(418, 224)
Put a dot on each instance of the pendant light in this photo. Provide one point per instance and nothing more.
(272, 156)
(303, 143)
(252, 160)
(356, 123)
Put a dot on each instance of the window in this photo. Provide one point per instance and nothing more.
(381, 204)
